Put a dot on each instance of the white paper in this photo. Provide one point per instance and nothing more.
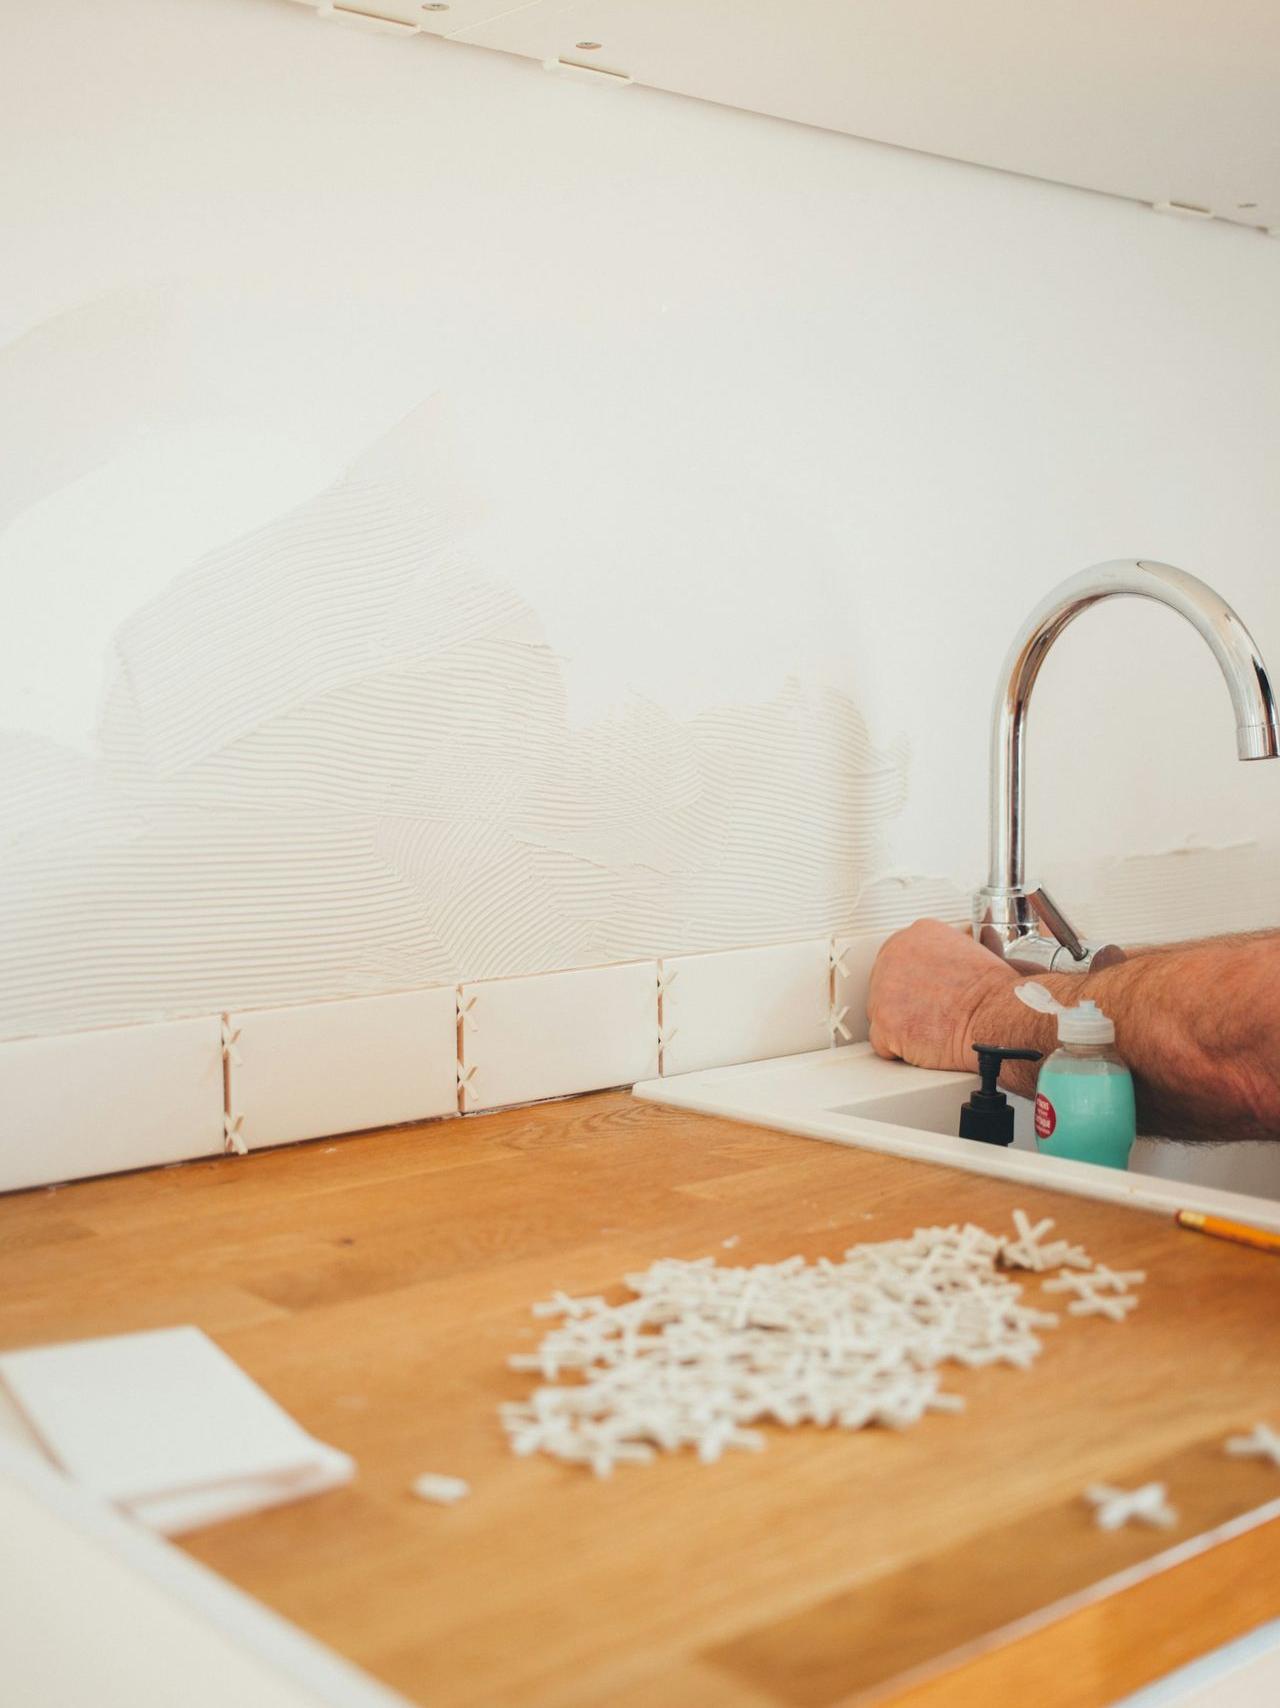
(171, 1515)
(167, 1424)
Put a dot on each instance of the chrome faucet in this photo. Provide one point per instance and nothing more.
(1026, 925)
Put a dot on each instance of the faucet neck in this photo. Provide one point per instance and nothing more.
(1241, 664)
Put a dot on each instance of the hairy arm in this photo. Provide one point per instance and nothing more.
(1198, 1024)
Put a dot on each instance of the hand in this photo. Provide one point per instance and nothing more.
(927, 986)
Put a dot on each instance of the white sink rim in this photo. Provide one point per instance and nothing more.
(802, 1095)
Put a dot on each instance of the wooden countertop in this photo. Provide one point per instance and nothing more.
(375, 1286)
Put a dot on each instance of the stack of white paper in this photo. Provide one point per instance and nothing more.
(167, 1427)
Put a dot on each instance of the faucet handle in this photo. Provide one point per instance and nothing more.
(1052, 917)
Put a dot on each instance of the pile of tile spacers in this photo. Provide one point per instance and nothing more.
(701, 1353)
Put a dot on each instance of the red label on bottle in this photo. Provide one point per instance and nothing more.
(1046, 1116)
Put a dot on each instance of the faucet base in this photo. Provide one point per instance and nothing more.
(1009, 923)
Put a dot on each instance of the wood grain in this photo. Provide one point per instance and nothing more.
(1112, 1644)
(375, 1286)
(1050, 1560)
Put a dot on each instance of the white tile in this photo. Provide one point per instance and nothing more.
(854, 958)
(339, 1067)
(745, 1005)
(97, 1102)
(558, 1033)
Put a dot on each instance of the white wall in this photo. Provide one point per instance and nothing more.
(754, 443)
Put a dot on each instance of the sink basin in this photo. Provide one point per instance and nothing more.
(850, 1096)
(936, 1109)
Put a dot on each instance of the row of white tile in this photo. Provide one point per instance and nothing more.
(132, 1097)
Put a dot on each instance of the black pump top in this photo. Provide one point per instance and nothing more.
(987, 1116)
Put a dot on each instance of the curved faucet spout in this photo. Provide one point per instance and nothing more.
(1242, 666)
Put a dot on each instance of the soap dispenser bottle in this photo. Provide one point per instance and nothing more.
(1084, 1095)
(988, 1115)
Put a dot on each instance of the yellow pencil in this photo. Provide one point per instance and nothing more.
(1260, 1238)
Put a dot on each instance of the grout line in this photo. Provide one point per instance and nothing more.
(233, 1141)
(460, 1051)
(225, 1020)
(460, 34)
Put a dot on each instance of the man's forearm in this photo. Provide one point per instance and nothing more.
(1197, 1024)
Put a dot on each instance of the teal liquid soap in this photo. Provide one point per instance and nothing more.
(1085, 1109)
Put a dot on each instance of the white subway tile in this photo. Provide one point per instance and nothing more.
(81, 1103)
(558, 1033)
(745, 1005)
(340, 1067)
